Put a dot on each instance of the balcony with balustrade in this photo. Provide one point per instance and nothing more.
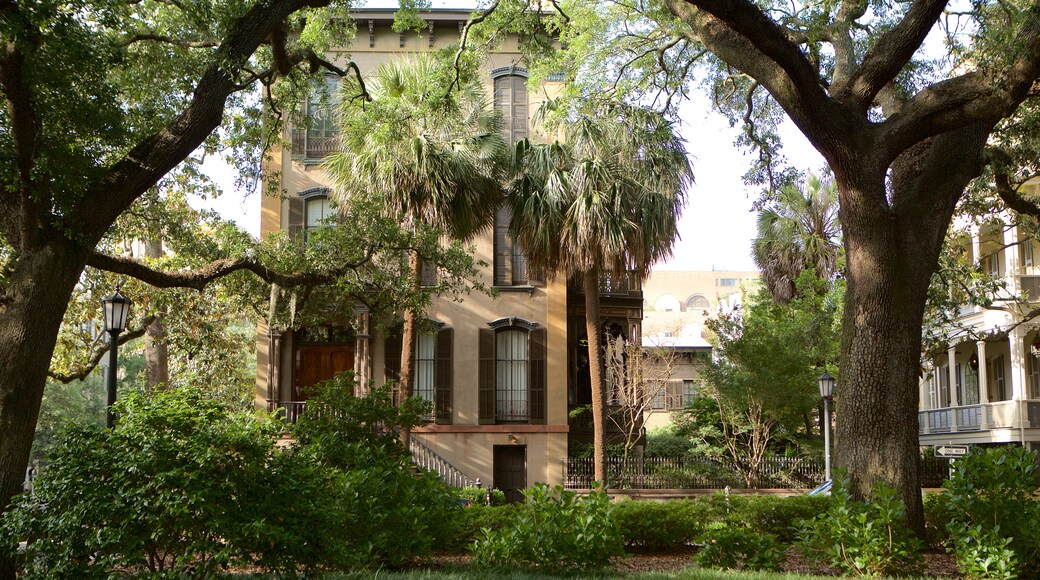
(986, 387)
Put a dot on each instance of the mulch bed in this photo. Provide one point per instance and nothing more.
(936, 564)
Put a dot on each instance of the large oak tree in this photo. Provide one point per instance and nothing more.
(902, 157)
(101, 100)
(904, 135)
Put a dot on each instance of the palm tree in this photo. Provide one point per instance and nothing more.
(432, 157)
(800, 231)
(603, 201)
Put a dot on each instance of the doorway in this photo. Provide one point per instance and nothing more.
(319, 362)
(510, 471)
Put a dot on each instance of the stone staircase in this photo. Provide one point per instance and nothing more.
(426, 458)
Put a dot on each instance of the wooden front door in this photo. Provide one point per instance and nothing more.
(320, 362)
(510, 471)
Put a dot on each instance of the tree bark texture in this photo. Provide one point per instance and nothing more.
(590, 281)
(408, 338)
(39, 291)
(156, 352)
(899, 180)
(892, 247)
(47, 263)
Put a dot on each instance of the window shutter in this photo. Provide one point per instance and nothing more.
(537, 379)
(295, 221)
(429, 274)
(536, 275)
(299, 131)
(519, 111)
(486, 376)
(503, 247)
(675, 392)
(443, 377)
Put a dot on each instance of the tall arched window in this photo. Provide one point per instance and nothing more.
(697, 302)
(316, 209)
(512, 372)
(314, 135)
(511, 100)
(432, 375)
(510, 264)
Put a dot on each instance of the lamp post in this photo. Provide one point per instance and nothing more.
(117, 307)
(826, 392)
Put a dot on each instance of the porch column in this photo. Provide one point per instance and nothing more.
(952, 387)
(1018, 363)
(1018, 374)
(980, 348)
(274, 387)
(923, 390)
(1012, 268)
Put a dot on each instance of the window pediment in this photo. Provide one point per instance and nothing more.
(513, 321)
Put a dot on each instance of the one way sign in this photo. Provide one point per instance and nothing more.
(951, 451)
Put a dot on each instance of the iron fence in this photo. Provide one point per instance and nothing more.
(803, 472)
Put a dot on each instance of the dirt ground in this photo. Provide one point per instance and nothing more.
(936, 565)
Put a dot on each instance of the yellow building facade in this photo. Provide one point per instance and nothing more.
(502, 372)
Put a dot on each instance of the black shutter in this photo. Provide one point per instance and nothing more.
(442, 376)
(486, 376)
(536, 375)
(295, 221)
(503, 242)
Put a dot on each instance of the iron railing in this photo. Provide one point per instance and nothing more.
(426, 458)
(707, 473)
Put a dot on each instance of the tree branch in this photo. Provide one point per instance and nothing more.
(141, 37)
(95, 358)
(889, 54)
(1001, 163)
(745, 38)
(22, 217)
(199, 278)
(157, 154)
(979, 96)
(473, 19)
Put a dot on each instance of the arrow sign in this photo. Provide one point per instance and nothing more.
(951, 451)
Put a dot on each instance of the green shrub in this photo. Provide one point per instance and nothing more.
(991, 497)
(185, 485)
(863, 538)
(661, 526)
(472, 521)
(937, 514)
(983, 553)
(165, 490)
(767, 514)
(478, 495)
(554, 530)
(739, 549)
(390, 515)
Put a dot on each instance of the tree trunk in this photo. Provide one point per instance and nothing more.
(893, 233)
(876, 435)
(39, 292)
(156, 352)
(408, 338)
(596, 377)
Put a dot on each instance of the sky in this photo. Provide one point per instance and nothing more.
(716, 226)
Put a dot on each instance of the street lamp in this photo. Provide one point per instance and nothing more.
(117, 307)
(826, 391)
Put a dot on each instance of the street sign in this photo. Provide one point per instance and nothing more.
(951, 451)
